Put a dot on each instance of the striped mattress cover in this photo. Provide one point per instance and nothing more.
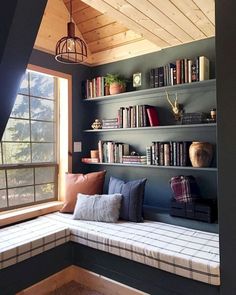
(186, 252)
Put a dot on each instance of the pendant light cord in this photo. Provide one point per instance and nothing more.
(70, 10)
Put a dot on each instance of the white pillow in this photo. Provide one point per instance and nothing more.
(104, 208)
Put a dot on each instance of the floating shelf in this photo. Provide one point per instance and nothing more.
(213, 169)
(159, 91)
(185, 126)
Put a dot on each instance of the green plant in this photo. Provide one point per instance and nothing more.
(114, 78)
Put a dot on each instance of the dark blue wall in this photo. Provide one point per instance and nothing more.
(16, 44)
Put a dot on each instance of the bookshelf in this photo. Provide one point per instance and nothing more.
(195, 97)
(187, 126)
(210, 169)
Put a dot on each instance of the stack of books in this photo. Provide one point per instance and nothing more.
(90, 160)
(193, 118)
(134, 160)
(110, 123)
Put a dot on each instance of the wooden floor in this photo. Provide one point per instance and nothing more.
(74, 288)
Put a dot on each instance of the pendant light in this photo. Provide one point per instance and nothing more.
(71, 49)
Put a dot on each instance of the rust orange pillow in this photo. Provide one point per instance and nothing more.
(89, 184)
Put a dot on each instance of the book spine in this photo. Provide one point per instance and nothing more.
(161, 154)
(166, 151)
(182, 77)
(177, 153)
(156, 77)
(153, 153)
(174, 153)
(197, 68)
(203, 68)
(152, 77)
(161, 76)
(100, 153)
(189, 71)
(185, 70)
(178, 72)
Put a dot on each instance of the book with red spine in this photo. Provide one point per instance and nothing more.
(152, 116)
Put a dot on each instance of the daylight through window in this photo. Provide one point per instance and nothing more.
(28, 150)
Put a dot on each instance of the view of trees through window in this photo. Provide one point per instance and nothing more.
(28, 158)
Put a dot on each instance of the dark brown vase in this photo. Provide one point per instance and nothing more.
(200, 154)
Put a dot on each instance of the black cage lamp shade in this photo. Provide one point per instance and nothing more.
(71, 49)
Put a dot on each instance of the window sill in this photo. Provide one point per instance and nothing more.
(17, 215)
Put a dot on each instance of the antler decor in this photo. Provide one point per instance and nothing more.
(175, 107)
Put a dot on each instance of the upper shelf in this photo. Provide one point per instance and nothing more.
(187, 126)
(140, 94)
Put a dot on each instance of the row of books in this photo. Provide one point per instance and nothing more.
(94, 87)
(172, 153)
(181, 71)
(137, 116)
(111, 151)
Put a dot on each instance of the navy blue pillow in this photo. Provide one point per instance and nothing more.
(132, 201)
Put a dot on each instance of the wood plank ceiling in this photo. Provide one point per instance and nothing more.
(119, 29)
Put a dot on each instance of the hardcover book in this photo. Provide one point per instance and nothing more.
(152, 116)
(203, 68)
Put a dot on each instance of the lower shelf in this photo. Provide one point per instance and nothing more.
(156, 167)
(162, 215)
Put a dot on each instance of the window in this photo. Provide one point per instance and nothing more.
(28, 150)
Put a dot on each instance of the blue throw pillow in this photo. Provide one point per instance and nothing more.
(133, 195)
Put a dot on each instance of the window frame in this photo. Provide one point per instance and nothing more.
(57, 189)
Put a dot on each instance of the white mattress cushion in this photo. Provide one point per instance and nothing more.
(186, 252)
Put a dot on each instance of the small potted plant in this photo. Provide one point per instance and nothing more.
(116, 83)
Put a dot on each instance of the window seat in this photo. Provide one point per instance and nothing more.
(182, 251)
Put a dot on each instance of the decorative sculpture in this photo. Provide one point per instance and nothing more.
(175, 107)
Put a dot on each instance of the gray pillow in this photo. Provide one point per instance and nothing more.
(104, 208)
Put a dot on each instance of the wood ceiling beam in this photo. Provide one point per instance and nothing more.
(85, 14)
(153, 13)
(123, 52)
(139, 16)
(94, 23)
(174, 13)
(104, 32)
(208, 8)
(114, 41)
(196, 15)
(120, 17)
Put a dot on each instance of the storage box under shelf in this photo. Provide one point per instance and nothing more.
(202, 210)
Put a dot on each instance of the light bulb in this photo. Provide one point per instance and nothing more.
(71, 45)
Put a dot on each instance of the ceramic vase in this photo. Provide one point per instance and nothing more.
(200, 154)
(116, 88)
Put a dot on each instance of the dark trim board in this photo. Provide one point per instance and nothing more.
(145, 278)
(137, 275)
(28, 272)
